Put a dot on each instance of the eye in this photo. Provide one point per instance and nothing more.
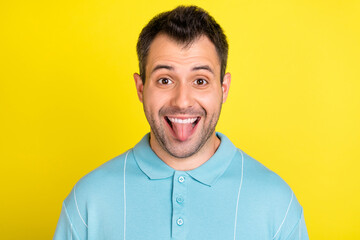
(164, 81)
(200, 82)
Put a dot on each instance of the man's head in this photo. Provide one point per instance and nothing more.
(182, 95)
(184, 25)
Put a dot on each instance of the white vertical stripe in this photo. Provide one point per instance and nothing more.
(125, 195)
(292, 196)
(238, 197)
(300, 225)
(71, 230)
(77, 207)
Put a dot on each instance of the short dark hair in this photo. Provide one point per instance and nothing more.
(184, 24)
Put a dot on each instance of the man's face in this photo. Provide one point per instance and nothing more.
(182, 95)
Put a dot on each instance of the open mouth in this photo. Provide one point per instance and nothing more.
(182, 127)
(193, 121)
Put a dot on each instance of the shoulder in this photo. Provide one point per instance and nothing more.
(270, 196)
(102, 177)
(98, 185)
(262, 179)
(91, 192)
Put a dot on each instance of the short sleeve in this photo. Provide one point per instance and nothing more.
(299, 232)
(64, 228)
(292, 226)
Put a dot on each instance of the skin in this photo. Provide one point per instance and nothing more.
(183, 82)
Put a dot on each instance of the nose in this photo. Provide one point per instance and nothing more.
(182, 96)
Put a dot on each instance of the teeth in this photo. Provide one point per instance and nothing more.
(178, 120)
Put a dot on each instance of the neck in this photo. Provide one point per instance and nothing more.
(188, 163)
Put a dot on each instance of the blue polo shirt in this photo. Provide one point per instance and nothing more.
(137, 196)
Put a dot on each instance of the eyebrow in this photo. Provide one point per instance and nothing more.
(157, 67)
(203, 67)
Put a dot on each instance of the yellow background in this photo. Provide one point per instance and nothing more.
(68, 101)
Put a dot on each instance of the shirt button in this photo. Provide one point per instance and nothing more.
(180, 222)
(180, 199)
(181, 179)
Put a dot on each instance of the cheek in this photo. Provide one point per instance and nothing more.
(211, 100)
(153, 103)
(157, 98)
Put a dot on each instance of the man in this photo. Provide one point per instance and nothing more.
(182, 180)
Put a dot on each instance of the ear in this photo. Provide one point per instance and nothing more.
(225, 86)
(139, 86)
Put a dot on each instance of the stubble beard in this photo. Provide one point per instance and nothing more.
(179, 149)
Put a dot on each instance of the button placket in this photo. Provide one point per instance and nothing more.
(179, 226)
(181, 179)
(179, 199)
(180, 221)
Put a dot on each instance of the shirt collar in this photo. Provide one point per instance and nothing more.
(213, 168)
(207, 173)
(149, 162)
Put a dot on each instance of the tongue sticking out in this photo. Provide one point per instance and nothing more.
(182, 130)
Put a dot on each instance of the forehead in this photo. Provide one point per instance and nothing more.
(165, 50)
